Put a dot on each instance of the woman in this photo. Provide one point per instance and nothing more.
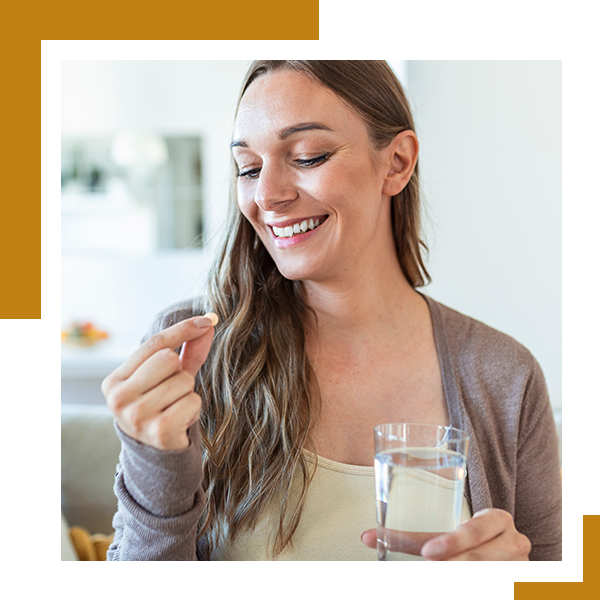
(253, 440)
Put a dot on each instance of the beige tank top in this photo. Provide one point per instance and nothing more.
(339, 507)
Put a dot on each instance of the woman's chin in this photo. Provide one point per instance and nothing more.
(297, 272)
(293, 274)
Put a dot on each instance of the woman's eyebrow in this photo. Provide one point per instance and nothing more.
(285, 133)
(301, 127)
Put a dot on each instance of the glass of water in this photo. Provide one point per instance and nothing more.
(420, 475)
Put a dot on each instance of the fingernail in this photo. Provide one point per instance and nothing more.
(201, 322)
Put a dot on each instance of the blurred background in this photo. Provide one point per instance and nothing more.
(144, 180)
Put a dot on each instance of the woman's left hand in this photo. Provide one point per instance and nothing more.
(489, 535)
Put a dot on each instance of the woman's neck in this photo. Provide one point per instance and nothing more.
(365, 304)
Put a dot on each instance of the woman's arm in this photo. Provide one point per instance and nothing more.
(160, 501)
(158, 483)
(538, 498)
(534, 532)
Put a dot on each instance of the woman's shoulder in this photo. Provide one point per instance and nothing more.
(478, 348)
(494, 373)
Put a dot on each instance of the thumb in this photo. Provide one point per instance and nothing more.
(194, 352)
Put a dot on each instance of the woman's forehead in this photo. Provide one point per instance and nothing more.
(278, 101)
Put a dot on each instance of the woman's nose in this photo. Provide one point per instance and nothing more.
(274, 188)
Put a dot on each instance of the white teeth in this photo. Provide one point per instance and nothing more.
(296, 228)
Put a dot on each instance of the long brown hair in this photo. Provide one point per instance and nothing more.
(257, 383)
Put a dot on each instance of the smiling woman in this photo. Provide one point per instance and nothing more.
(252, 440)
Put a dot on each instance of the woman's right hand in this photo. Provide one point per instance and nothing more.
(152, 393)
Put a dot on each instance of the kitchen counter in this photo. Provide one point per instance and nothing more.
(84, 368)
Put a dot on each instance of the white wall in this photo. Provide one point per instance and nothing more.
(167, 97)
(490, 135)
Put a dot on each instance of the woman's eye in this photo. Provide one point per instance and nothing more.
(311, 162)
(302, 162)
(249, 174)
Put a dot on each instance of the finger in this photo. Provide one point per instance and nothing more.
(169, 429)
(169, 391)
(483, 527)
(126, 398)
(172, 338)
(138, 418)
(408, 542)
(507, 546)
(369, 538)
(151, 373)
(195, 352)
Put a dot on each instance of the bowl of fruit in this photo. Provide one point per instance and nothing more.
(82, 334)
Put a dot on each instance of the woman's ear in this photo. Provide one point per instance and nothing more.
(402, 154)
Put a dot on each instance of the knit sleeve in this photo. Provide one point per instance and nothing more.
(160, 501)
(538, 502)
(159, 492)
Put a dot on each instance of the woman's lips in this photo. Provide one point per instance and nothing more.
(297, 238)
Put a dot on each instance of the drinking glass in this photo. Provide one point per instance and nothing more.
(420, 475)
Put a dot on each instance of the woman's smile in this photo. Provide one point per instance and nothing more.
(296, 232)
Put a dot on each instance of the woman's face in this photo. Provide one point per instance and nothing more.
(308, 182)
